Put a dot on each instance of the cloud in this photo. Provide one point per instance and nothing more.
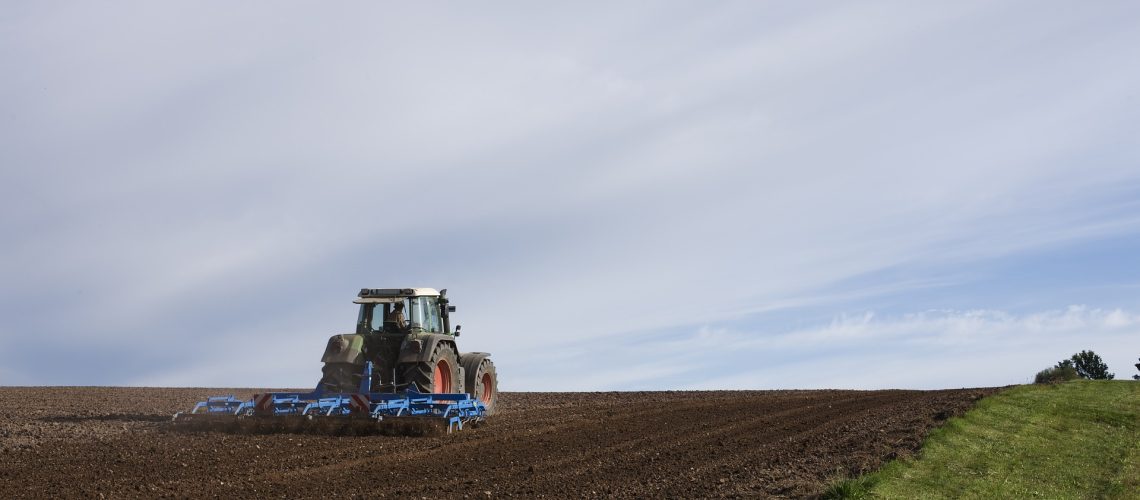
(181, 187)
(925, 350)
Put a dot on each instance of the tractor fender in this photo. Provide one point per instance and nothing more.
(418, 348)
(472, 358)
(346, 348)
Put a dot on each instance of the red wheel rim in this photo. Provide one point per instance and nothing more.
(485, 394)
(441, 382)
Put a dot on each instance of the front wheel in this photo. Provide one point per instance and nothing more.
(481, 380)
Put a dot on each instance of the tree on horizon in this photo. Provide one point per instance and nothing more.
(1089, 365)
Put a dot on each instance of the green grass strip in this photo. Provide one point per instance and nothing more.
(1079, 439)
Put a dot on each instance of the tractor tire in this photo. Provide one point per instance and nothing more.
(341, 377)
(439, 375)
(482, 382)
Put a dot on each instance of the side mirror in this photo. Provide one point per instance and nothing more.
(450, 309)
(457, 327)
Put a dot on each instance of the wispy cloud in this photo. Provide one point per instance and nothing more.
(926, 350)
(182, 180)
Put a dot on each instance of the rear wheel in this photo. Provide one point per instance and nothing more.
(481, 381)
(439, 375)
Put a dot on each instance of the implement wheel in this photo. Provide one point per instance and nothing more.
(482, 382)
(439, 375)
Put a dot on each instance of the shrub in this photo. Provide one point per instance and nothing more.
(1057, 374)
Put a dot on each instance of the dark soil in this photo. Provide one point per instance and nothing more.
(117, 442)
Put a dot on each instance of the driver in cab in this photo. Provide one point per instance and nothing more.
(396, 320)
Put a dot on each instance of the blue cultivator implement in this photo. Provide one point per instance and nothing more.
(364, 412)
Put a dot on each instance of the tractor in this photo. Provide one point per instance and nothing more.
(420, 353)
(399, 372)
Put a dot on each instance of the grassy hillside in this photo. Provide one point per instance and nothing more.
(1079, 439)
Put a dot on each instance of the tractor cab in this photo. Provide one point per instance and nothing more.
(425, 310)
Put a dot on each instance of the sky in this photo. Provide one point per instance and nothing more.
(617, 195)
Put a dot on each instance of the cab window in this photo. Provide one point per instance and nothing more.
(379, 313)
(373, 316)
(425, 314)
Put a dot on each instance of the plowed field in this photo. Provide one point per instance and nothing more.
(117, 442)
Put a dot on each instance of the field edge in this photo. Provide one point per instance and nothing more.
(1099, 417)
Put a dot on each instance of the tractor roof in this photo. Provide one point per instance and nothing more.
(371, 295)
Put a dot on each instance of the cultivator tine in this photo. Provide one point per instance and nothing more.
(450, 410)
(213, 408)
